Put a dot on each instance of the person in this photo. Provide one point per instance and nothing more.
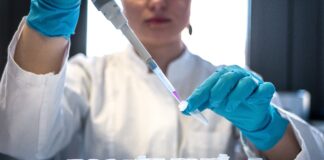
(114, 107)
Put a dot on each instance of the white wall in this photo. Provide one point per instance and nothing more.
(219, 31)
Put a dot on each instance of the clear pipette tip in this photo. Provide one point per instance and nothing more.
(196, 113)
(182, 104)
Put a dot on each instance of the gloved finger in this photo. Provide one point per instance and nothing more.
(263, 94)
(63, 4)
(249, 72)
(256, 77)
(223, 87)
(199, 97)
(244, 88)
(236, 68)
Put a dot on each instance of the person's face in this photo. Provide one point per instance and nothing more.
(157, 21)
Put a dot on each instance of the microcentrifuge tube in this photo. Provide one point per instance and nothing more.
(196, 113)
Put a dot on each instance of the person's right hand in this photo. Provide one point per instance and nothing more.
(54, 18)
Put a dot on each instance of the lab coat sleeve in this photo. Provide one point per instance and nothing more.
(37, 118)
(309, 138)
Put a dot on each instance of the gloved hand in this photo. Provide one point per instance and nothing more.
(54, 18)
(244, 99)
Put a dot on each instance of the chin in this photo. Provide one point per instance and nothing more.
(154, 41)
(158, 37)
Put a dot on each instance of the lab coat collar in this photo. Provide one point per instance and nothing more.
(173, 69)
(135, 61)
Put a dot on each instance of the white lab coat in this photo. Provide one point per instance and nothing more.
(112, 107)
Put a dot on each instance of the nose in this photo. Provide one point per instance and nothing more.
(157, 5)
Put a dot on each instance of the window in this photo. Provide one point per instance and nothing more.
(219, 31)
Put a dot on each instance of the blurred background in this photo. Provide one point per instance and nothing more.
(282, 40)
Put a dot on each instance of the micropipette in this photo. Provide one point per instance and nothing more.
(112, 12)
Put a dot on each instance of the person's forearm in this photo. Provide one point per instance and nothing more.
(287, 148)
(39, 54)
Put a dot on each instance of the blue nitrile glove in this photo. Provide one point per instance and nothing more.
(54, 18)
(244, 99)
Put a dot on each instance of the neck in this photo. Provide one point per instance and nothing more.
(166, 53)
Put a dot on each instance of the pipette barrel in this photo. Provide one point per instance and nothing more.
(112, 12)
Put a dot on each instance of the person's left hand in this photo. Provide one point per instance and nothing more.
(54, 18)
(244, 99)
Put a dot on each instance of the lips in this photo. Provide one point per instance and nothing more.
(158, 20)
